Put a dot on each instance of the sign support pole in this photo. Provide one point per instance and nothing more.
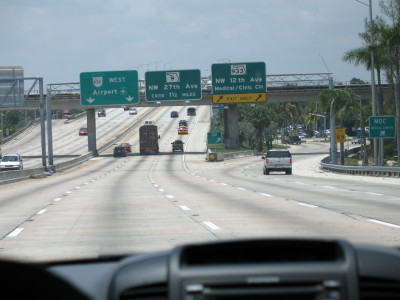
(42, 122)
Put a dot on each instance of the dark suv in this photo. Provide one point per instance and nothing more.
(183, 123)
(119, 151)
(295, 140)
(191, 111)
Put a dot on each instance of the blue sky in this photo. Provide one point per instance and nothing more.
(58, 39)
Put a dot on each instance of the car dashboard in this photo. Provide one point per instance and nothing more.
(282, 269)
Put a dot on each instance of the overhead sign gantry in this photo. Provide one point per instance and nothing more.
(239, 82)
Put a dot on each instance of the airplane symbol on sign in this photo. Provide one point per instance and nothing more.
(382, 133)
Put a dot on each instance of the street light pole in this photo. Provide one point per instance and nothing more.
(377, 142)
(322, 116)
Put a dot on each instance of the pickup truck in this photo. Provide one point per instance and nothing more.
(277, 160)
(177, 145)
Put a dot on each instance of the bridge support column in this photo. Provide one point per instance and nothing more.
(91, 126)
(231, 138)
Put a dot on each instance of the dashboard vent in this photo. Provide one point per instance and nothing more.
(379, 289)
(329, 289)
(148, 292)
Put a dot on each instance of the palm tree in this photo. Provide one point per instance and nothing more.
(389, 41)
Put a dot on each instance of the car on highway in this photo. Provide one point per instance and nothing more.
(295, 140)
(183, 123)
(132, 111)
(276, 160)
(356, 140)
(83, 131)
(191, 111)
(119, 151)
(183, 130)
(127, 147)
(285, 140)
(174, 114)
(101, 112)
(177, 145)
(11, 162)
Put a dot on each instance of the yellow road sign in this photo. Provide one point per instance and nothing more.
(340, 134)
(239, 98)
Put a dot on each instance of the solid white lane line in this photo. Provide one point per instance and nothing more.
(211, 225)
(184, 207)
(42, 211)
(242, 189)
(15, 232)
(307, 205)
(329, 187)
(266, 195)
(384, 223)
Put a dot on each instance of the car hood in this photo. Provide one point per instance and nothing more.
(10, 163)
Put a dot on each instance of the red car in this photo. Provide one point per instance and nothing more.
(83, 131)
(127, 147)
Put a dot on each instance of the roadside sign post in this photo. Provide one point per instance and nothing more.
(109, 88)
(173, 85)
(239, 83)
(340, 134)
(382, 127)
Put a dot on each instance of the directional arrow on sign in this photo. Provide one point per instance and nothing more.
(90, 100)
(129, 98)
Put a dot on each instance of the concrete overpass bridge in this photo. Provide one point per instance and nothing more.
(280, 88)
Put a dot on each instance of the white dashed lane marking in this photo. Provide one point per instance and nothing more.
(15, 232)
(211, 225)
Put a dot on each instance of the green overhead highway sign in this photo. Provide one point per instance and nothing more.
(382, 127)
(239, 78)
(173, 85)
(214, 138)
(109, 88)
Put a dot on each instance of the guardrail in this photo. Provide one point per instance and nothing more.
(360, 170)
(220, 156)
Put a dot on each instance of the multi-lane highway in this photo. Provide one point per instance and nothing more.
(142, 203)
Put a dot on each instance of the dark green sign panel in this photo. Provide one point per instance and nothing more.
(382, 127)
(239, 78)
(214, 138)
(109, 88)
(173, 85)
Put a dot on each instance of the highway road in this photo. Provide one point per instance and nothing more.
(111, 206)
(67, 144)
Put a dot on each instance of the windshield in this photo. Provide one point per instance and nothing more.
(9, 158)
(245, 76)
